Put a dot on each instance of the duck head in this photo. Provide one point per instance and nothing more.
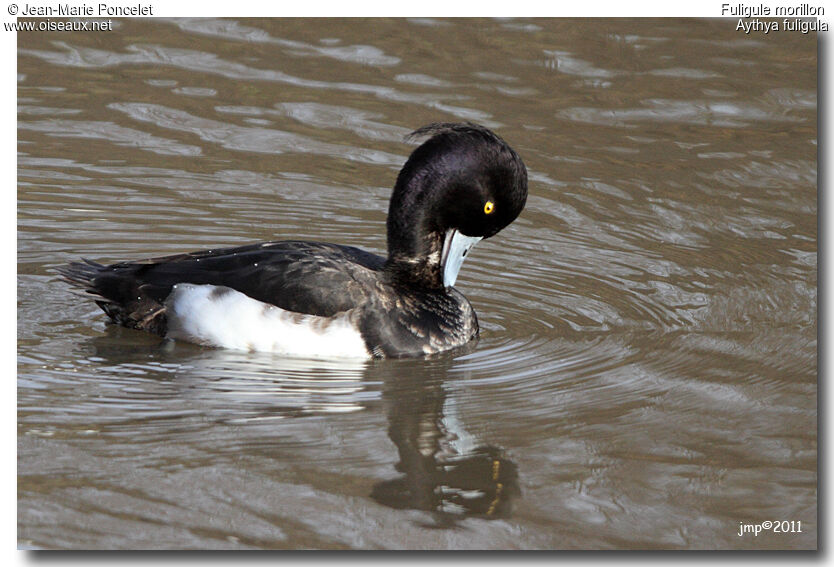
(460, 186)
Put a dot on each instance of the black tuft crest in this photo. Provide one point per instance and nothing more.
(466, 128)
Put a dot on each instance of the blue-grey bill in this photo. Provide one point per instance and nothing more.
(455, 248)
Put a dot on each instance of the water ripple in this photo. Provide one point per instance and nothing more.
(227, 29)
(110, 132)
(244, 138)
(318, 115)
(725, 114)
(191, 60)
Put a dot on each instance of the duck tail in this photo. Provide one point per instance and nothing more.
(122, 299)
(81, 275)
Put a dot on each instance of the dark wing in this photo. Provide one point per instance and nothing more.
(304, 277)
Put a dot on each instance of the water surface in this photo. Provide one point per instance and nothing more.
(646, 375)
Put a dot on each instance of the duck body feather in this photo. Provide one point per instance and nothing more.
(315, 284)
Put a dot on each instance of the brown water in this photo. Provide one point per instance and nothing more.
(646, 376)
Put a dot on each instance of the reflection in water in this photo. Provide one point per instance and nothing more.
(238, 387)
(446, 470)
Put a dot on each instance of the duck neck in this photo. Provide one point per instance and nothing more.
(414, 245)
(419, 262)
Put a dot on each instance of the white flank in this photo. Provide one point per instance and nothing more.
(222, 317)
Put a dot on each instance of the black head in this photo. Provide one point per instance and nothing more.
(463, 177)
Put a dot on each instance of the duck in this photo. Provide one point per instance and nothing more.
(463, 184)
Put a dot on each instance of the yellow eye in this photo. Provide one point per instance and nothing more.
(489, 206)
